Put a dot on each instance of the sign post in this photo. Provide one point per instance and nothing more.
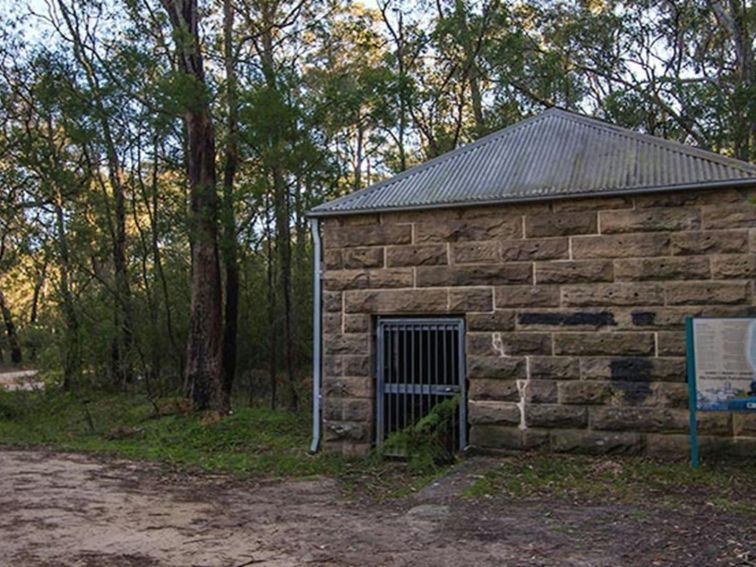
(721, 361)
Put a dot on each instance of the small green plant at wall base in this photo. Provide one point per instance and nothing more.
(426, 443)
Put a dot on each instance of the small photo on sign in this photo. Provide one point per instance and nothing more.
(725, 364)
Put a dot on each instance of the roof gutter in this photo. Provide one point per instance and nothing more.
(731, 184)
(317, 363)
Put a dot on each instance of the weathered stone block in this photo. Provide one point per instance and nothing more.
(627, 344)
(670, 394)
(371, 257)
(369, 235)
(333, 260)
(582, 392)
(348, 387)
(486, 252)
(481, 413)
(426, 215)
(595, 442)
(709, 242)
(571, 319)
(645, 369)
(422, 255)
(397, 301)
(707, 293)
(509, 209)
(494, 389)
(554, 368)
(667, 445)
(741, 215)
(620, 246)
(649, 220)
(741, 266)
(356, 323)
(470, 299)
(613, 294)
(541, 391)
(555, 415)
(670, 343)
(637, 393)
(474, 274)
(669, 268)
(332, 323)
(359, 220)
(534, 249)
(357, 409)
(368, 279)
(496, 437)
(503, 368)
(592, 204)
(348, 409)
(744, 424)
(663, 394)
(346, 344)
(656, 317)
(713, 422)
(496, 321)
(688, 198)
(526, 296)
(623, 418)
(464, 230)
(356, 365)
(333, 365)
(574, 271)
(508, 344)
(331, 301)
(576, 222)
(343, 431)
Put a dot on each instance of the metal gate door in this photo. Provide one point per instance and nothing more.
(420, 363)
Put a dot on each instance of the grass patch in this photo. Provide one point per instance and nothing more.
(725, 486)
(250, 442)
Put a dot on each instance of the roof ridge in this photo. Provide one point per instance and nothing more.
(670, 145)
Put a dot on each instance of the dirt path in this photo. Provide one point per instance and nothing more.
(12, 380)
(61, 509)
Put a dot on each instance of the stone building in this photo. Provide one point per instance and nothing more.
(568, 253)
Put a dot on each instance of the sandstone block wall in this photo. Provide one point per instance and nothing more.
(574, 314)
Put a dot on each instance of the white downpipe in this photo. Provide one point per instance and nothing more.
(317, 364)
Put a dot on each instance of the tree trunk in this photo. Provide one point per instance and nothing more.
(38, 284)
(10, 330)
(229, 218)
(71, 347)
(272, 327)
(204, 364)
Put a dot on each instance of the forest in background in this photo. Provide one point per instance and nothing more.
(130, 141)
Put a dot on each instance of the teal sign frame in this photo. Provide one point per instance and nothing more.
(737, 403)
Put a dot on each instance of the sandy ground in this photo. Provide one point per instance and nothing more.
(67, 509)
(20, 380)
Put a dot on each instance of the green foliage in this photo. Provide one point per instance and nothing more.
(631, 479)
(252, 442)
(427, 443)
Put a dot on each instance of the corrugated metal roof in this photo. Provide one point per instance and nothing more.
(555, 154)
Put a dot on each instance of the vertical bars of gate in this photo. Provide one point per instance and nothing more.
(410, 384)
